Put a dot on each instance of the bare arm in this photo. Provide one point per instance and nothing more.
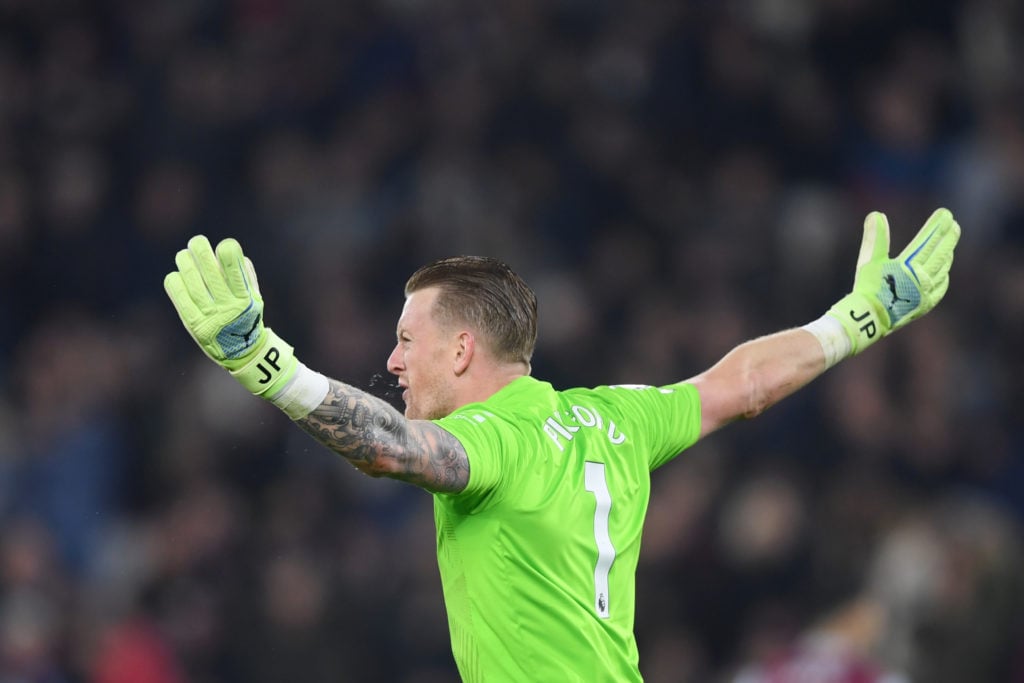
(887, 294)
(756, 375)
(379, 441)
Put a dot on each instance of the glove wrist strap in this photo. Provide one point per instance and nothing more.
(269, 368)
(863, 322)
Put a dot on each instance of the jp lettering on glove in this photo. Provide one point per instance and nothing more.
(218, 299)
(889, 292)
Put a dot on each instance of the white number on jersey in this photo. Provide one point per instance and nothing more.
(595, 483)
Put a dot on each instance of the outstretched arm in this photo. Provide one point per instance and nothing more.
(218, 299)
(887, 294)
(756, 375)
(379, 441)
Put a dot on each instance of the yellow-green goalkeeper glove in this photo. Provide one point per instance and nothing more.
(890, 292)
(219, 301)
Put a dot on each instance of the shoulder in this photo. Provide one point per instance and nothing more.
(641, 396)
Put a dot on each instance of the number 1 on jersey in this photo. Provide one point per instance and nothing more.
(595, 483)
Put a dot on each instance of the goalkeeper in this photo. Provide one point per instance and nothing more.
(539, 495)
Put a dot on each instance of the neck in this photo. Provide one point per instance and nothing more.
(482, 386)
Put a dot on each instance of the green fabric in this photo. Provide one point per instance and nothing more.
(518, 548)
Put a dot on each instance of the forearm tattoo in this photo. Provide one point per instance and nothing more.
(379, 441)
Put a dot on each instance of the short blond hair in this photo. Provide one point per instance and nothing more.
(488, 295)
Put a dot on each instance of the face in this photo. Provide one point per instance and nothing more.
(422, 359)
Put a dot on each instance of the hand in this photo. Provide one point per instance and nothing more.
(889, 293)
(218, 299)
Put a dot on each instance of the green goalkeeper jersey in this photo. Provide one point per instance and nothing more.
(538, 553)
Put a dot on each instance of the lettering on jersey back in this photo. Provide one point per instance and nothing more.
(562, 428)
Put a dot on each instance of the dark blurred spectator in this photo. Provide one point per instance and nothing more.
(943, 601)
(133, 652)
(71, 453)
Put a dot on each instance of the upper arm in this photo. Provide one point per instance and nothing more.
(720, 400)
(727, 391)
(434, 459)
(379, 441)
(756, 375)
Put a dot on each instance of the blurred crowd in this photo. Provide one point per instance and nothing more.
(672, 177)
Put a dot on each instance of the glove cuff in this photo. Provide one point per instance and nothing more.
(269, 367)
(863, 320)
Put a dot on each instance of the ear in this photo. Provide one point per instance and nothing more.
(465, 347)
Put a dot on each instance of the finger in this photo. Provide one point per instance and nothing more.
(232, 262)
(875, 243)
(254, 284)
(209, 268)
(177, 290)
(939, 289)
(192, 281)
(932, 234)
(941, 260)
(947, 246)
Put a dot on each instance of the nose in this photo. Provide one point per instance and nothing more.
(395, 362)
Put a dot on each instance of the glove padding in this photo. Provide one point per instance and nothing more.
(218, 299)
(888, 292)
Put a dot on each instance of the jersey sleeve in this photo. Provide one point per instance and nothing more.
(490, 445)
(670, 416)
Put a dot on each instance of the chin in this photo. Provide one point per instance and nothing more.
(433, 411)
(415, 414)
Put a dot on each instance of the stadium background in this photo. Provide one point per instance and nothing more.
(672, 177)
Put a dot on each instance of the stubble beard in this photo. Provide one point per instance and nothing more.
(440, 403)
